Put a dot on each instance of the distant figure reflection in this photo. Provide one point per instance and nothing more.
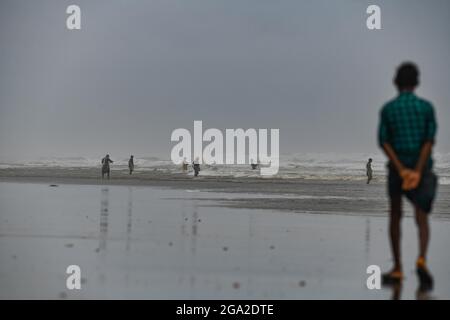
(103, 232)
(129, 218)
(104, 213)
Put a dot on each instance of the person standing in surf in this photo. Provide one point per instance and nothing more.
(131, 164)
(406, 133)
(253, 165)
(196, 166)
(369, 170)
(105, 166)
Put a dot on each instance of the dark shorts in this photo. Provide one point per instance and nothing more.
(423, 196)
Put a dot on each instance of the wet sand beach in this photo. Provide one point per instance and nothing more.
(176, 237)
(296, 194)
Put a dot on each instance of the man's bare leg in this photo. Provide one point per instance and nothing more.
(395, 276)
(395, 231)
(425, 277)
(424, 232)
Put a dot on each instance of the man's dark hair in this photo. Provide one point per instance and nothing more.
(407, 76)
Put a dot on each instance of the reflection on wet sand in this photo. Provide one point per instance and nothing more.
(367, 240)
(185, 248)
(422, 294)
(194, 229)
(129, 218)
(128, 236)
(189, 234)
(397, 289)
(249, 251)
(103, 232)
(189, 245)
(104, 207)
(184, 235)
(193, 249)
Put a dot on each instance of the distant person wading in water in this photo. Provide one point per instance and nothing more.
(369, 170)
(406, 133)
(105, 165)
(131, 164)
(254, 165)
(196, 165)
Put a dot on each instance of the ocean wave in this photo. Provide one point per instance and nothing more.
(317, 166)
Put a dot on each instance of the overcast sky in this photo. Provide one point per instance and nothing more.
(139, 69)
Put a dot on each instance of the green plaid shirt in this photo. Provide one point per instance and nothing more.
(406, 123)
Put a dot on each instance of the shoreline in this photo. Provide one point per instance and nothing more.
(169, 179)
(291, 195)
(91, 176)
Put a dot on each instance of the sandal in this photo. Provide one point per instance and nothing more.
(425, 278)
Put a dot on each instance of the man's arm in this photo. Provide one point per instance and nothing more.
(384, 138)
(393, 157)
(425, 152)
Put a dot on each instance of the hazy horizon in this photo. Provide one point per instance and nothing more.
(138, 70)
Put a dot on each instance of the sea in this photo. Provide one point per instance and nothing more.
(315, 166)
